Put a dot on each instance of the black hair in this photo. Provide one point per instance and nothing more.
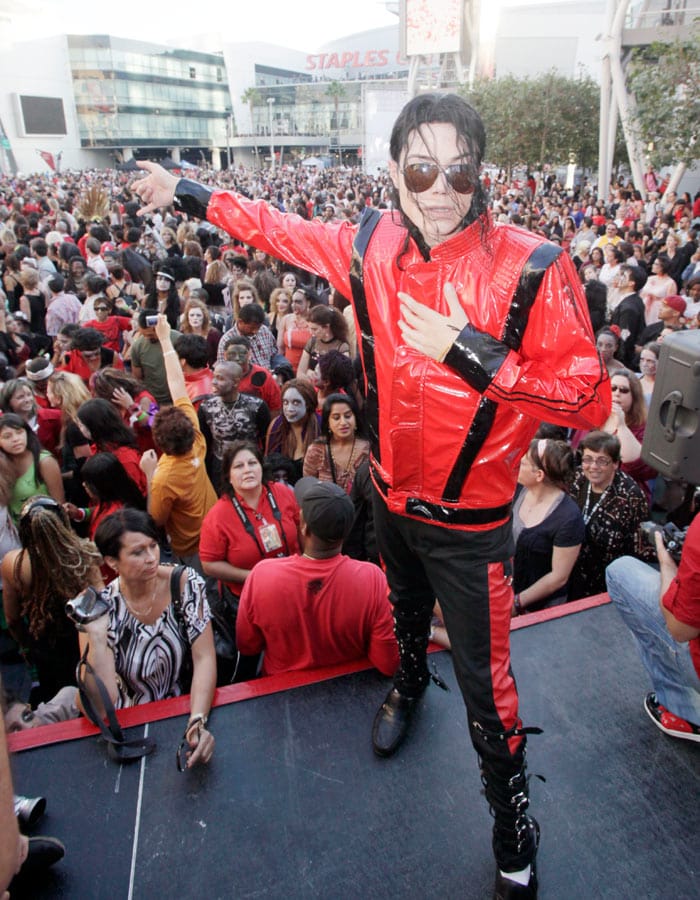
(637, 276)
(112, 529)
(326, 411)
(110, 481)
(105, 424)
(95, 284)
(428, 109)
(252, 314)
(87, 339)
(193, 348)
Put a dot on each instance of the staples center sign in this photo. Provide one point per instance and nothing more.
(352, 59)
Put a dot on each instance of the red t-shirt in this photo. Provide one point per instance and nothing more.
(682, 598)
(224, 537)
(261, 383)
(307, 613)
(111, 329)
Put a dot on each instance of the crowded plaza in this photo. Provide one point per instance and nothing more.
(229, 430)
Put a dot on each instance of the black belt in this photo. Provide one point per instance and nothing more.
(444, 515)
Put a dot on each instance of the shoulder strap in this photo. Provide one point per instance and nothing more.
(118, 747)
(175, 595)
(368, 224)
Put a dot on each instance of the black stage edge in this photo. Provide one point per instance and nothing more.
(295, 804)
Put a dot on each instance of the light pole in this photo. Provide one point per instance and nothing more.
(270, 104)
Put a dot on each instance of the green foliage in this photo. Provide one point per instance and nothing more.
(665, 81)
(532, 121)
(251, 96)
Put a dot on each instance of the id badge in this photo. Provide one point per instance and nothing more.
(270, 538)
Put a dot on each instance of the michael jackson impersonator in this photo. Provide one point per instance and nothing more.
(471, 335)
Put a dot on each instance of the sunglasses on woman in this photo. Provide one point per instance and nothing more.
(421, 176)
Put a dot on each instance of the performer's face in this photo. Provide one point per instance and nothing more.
(437, 211)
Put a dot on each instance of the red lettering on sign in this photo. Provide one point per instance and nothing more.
(345, 59)
(310, 62)
(333, 62)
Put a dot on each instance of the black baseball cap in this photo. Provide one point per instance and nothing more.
(327, 509)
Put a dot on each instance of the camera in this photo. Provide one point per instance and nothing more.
(672, 537)
(86, 607)
(151, 321)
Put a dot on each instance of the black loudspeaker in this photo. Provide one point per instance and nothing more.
(672, 437)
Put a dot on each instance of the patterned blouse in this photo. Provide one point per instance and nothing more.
(148, 658)
(317, 463)
(612, 529)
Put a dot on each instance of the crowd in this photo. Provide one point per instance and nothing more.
(172, 395)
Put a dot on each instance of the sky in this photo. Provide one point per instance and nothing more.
(306, 25)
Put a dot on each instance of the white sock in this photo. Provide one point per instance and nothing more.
(521, 877)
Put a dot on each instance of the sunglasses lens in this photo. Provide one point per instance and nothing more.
(459, 179)
(420, 176)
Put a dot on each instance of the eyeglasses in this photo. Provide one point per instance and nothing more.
(598, 462)
(101, 309)
(421, 176)
(619, 389)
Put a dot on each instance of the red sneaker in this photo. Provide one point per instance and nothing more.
(668, 723)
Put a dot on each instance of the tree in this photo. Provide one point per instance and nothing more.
(336, 92)
(538, 120)
(665, 82)
(252, 97)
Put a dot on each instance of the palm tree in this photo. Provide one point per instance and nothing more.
(336, 92)
(251, 96)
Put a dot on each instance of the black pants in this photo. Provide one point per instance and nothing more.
(467, 572)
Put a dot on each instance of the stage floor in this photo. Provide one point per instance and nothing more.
(296, 805)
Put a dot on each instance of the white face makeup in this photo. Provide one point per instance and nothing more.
(195, 317)
(293, 406)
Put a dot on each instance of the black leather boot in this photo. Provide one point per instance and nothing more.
(392, 722)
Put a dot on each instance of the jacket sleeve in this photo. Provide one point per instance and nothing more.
(554, 373)
(324, 249)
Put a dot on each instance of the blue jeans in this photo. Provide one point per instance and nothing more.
(634, 588)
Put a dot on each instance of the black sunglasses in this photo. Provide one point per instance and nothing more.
(421, 176)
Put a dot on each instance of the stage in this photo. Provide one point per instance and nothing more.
(296, 805)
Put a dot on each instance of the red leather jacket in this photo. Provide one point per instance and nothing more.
(447, 438)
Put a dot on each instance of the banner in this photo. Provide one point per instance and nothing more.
(48, 159)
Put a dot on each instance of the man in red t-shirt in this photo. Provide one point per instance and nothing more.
(662, 609)
(335, 609)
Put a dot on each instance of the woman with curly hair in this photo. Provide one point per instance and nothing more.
(280, 305)
(196, 320)
(52, 565)
(244, 293)
(136, 405)
(292, 433)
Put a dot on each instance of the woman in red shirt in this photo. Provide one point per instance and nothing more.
(101, 423)
(252, 520)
